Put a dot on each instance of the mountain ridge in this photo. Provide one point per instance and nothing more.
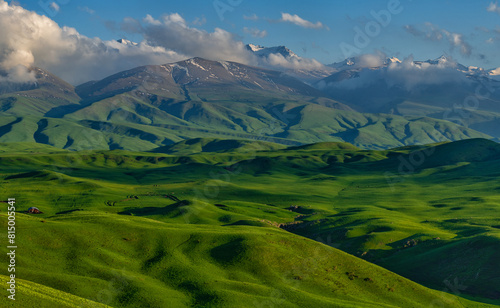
(151, 106)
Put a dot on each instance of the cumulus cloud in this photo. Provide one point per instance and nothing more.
(432, 32)
(255, 32)
(370, 60)
(299, 21)
(17, 74)
(293, 63)
(408, 74)
(172, 32)
(493, 7)
(150, 20)
(29, 39)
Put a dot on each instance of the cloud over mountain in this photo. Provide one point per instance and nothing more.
(172, 32)
(408, 73)
(29, 39)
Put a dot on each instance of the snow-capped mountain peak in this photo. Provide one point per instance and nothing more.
(126, 42)
(392, 60)
(359, 62)
(254, 48)
(444, 60)
(262, 51)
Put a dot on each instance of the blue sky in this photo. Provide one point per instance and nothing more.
(471, 19)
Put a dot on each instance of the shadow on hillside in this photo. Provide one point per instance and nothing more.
(175, 208)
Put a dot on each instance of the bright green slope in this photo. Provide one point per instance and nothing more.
(109, 234)
(30, 294)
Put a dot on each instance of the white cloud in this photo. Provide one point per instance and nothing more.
(150, 20)
(200, 21)
(174, 18)
(255, 32)
(495, 32)
(173, 33)
(493, 7)
(86, 9)
(29, 39)
(432, 32)
(495, 72)
(251, 17)
(55, 7)
(18, 74)
(297, 20)
(371, 60)
(277, 60)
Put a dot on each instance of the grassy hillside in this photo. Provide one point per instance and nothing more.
(259, 228)
(127, 122)
(152, 106)
(31, 294)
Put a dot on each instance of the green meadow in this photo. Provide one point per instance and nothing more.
(232, 223)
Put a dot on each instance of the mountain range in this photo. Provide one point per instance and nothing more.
(158, 105)
(440, 89)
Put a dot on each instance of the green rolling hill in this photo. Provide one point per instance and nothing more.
(222, 225)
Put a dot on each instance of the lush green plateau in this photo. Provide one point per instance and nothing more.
(232, 223)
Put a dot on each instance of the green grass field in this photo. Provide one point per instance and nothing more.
(232, 224)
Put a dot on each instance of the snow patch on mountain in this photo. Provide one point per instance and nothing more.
(193, 62)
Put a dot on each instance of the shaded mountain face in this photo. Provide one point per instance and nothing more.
(439, 88)
(37, 97)
(43, 81)
(205, 78)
